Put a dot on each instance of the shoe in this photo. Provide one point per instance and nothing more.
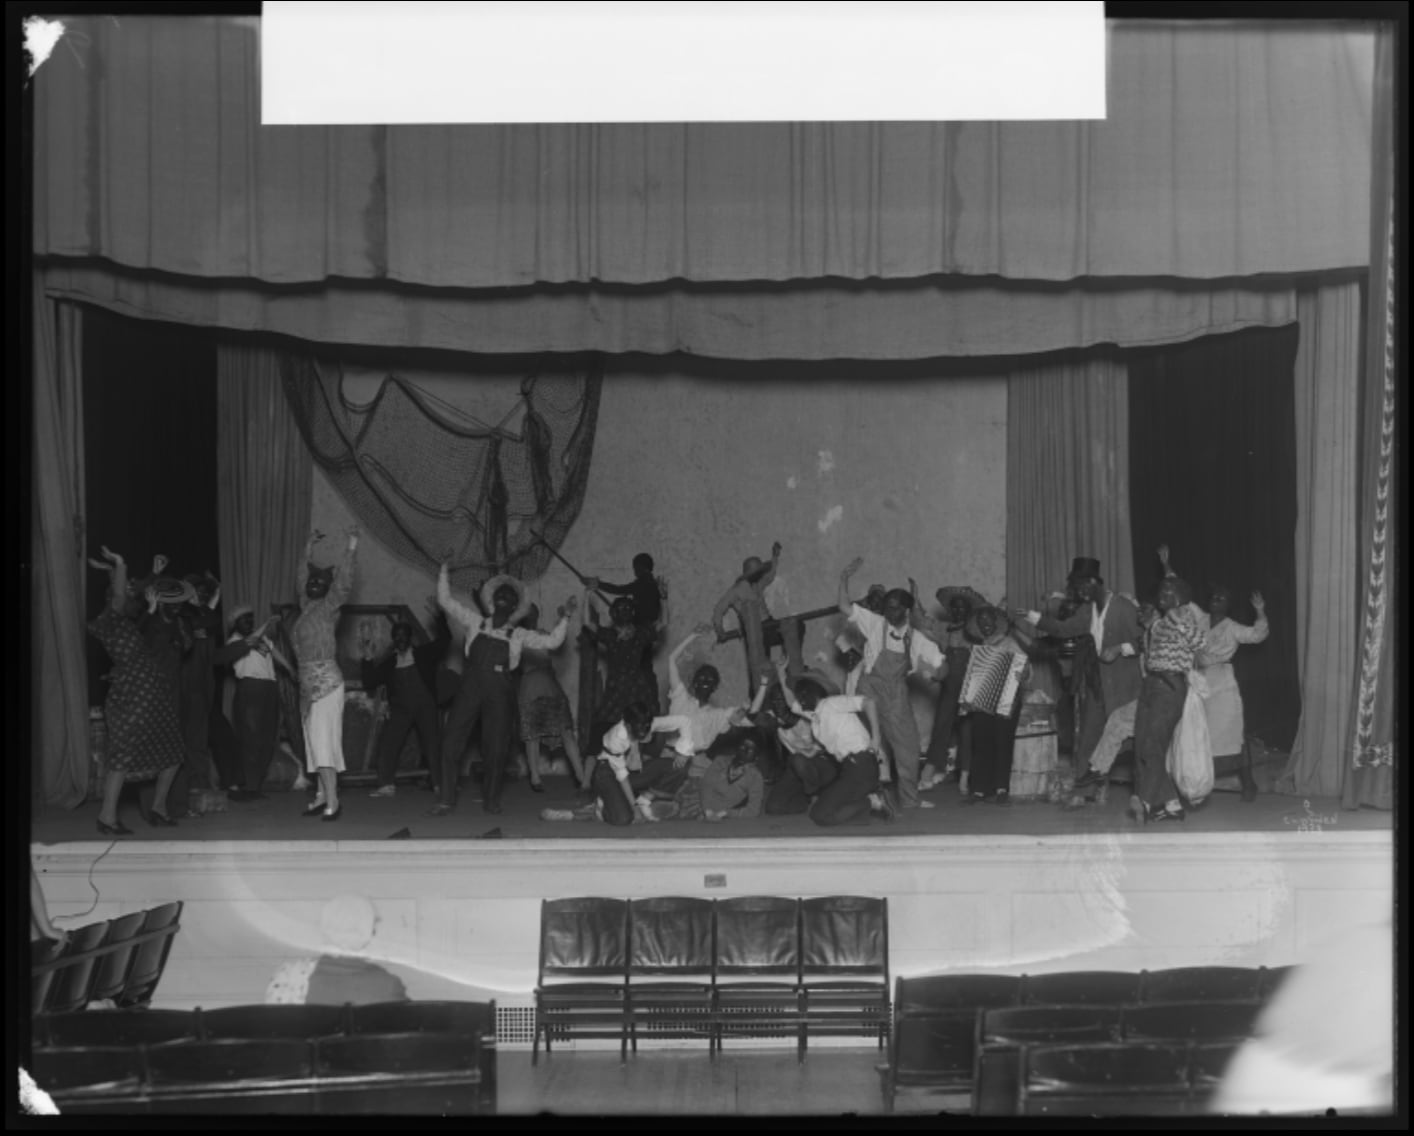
(1168, 813)
(336, 814)
(492, 807)
(315, 809)
(114, 829)
(973, 799)
(1088, 778)
(160, 820)
(440, 810)
(889, 807)
(1002, 798)
(1138, 809)
(385, 791)
(921, 805)
(537, 787)
(557, 814)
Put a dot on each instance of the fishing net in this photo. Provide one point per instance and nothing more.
(431, 486)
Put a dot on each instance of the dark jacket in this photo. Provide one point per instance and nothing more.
(426, 659)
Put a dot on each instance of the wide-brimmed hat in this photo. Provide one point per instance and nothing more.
(974, 598)
(820, 679)
(1084, 568)
(495, 584)
(1003, 617)
(170, 590)
(236, 613)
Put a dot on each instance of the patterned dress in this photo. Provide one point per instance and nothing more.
(544, 709)
(144, 731)
(626, 682)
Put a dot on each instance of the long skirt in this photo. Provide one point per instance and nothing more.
(324, 732)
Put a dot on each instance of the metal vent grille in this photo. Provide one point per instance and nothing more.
(515, 1025)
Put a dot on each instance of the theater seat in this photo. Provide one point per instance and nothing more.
(844, 946)
(1105, 1080)
(1001, 1034)
(583, 976)
(1082, 988)
(116, 1027)
(1203, 984)
(670, 969)
(1191, 1021)
(277, 1021)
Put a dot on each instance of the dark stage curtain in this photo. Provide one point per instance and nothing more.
(1213, 475)
(150, 432)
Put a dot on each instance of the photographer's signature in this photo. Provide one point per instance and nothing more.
(1311, 821)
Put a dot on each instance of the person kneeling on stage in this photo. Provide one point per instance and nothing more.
(808, 767)
(731, 787)
(855, 792)
(623, 779)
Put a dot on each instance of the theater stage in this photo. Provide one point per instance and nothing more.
(1027, 889)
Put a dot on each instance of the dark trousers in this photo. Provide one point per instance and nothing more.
(993, 744)
(405, 715)
(1160, 709)
(485, 698)
(658, 773)
(802, 779)
(845, 800)
(225, 750)
(946, 716)
(257, 711)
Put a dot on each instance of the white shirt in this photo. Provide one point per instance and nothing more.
(704, 724)
(621, 750)
(880, 636)
(253, 664)
(836, 725)
(799, 738)
(473, 623)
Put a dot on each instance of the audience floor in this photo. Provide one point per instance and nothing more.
(277, 818)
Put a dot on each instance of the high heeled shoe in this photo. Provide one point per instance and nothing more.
(336, 814)
(160, 820)
(118, 829)
(537, 787)
(316, 809)
(1168, 814)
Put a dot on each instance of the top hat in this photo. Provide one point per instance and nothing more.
(1084, 568)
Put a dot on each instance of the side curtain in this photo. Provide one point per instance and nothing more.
(1327, 552)
(59, 700)
(1067, 476)
(266, 479)
(1370, 778)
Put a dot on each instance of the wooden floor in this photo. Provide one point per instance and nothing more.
(684, 1082)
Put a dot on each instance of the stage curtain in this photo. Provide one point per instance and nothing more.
(1327, 552)
(59, 685)
(1370, 779)
(1229, 150)
(1212, 466)
(1067, 476)
(925, 319)
(266, 479)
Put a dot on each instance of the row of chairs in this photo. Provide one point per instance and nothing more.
(421, 1073)
(964, 1037)
(119, 960)
(748, 967)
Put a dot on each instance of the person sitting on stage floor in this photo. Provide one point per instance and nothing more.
(855, 793)
(892, 652)
(144, 731)
(706, 723)
(493, 651)
(323, 591)
(747, 597)
(623, 778)
(545, 716)
(950, 633)
(808, 767)
(730, 787)
(410, 675)
(253, 657)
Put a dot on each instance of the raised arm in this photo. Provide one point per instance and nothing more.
(553, 639)
(342, 587)
(1259, 630)
(845, 603)
(302, 575)
(768, 574)
(760, 699)
(456, 611)
(674, 677)
(719, 613)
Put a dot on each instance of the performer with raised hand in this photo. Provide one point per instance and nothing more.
(492, 644)
(747, 597)
(323, 591)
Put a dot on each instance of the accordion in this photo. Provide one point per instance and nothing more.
(993, 680)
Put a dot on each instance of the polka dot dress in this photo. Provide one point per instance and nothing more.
(144, 733)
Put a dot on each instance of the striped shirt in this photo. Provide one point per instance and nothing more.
(1171, 642)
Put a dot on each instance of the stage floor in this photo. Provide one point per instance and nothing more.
(277, 818)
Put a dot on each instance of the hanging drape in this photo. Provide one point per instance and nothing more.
(1370, 776)
(1229, 150)
(1067, 476)
(434, 487)
(936, 318)
(1327, 554)
(263, 507)
(58, 685)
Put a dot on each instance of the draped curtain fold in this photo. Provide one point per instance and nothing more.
(934, 318)
(1067, 476)
(1228, 151)
(1370, 777)
(266, 477)
(59, 687)
(1327, 553)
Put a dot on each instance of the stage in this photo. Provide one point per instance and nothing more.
(1025, 889)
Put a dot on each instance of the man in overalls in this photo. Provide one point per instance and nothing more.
(891, 653)
(493, 646)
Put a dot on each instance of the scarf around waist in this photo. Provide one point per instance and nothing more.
(318, 679)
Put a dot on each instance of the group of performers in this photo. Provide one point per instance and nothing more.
(844, 747)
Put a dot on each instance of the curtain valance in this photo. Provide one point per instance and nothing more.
(1229, 151)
